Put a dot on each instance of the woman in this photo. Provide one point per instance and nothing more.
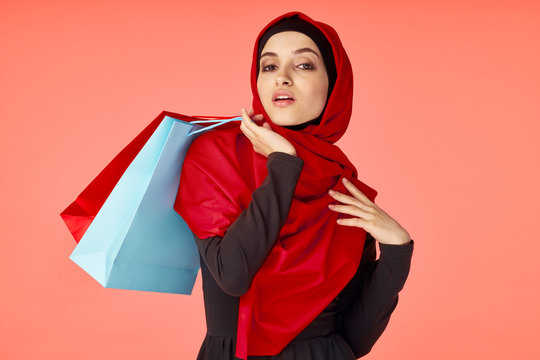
(285, 230)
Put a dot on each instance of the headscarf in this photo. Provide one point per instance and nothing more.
(313, 257)
(302, 26)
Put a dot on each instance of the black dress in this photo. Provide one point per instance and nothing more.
(348, 327)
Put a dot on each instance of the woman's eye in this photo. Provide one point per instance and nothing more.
(266, 68)
(309, 66)
(305, 66)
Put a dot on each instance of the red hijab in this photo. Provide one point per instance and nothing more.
(314, 257)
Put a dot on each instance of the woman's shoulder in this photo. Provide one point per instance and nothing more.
(213, 144)
(219, 150)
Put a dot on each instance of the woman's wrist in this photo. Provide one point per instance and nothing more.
(288, 152)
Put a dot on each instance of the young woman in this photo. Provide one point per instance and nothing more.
(285, 230)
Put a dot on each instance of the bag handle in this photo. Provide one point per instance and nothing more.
(219, 122)
(204, 117)
(215, 120)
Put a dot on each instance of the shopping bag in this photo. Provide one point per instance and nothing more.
(136, 240)
(80, 213)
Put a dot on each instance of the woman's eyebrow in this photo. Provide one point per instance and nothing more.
(299, 51)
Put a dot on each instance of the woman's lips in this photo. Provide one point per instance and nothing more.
(282, 98)
(283, 103)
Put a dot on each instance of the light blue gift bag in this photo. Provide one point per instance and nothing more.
(137, 241)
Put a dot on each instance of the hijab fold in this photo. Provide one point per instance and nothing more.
(305, 270)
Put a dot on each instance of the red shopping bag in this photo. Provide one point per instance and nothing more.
(79, 214)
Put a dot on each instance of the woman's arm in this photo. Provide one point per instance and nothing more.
(366, 303)
(234, 258)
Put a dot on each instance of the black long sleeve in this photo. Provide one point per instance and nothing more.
(367, 302)
(234, 259)
(363, 308)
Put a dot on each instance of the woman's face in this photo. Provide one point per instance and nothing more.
(291, 65)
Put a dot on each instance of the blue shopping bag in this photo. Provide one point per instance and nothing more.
(137, 241)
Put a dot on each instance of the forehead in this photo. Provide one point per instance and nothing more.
(288, 41)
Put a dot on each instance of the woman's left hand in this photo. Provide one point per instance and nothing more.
(368, 216)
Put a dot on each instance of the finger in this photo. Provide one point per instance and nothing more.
(248, 123)
(267, 126)
(250, 113)
(346, 199)
(356, 192)
(350, 210)
(256, 117)
(249, 134)
(244, 128)
(353, 222)
(246, 119)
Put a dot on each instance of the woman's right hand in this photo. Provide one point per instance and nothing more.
(263, 138)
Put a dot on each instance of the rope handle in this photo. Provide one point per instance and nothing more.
(219, 122)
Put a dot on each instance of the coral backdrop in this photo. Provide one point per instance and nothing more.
(446, 126)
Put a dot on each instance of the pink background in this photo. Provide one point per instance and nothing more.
(446, 126)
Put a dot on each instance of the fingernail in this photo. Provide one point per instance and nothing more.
(331, 192)
(345, 180)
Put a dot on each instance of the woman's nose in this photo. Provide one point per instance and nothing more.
(283, 77)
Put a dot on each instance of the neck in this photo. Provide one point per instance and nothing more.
(303, 125)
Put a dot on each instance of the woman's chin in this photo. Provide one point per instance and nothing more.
(287, 121)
